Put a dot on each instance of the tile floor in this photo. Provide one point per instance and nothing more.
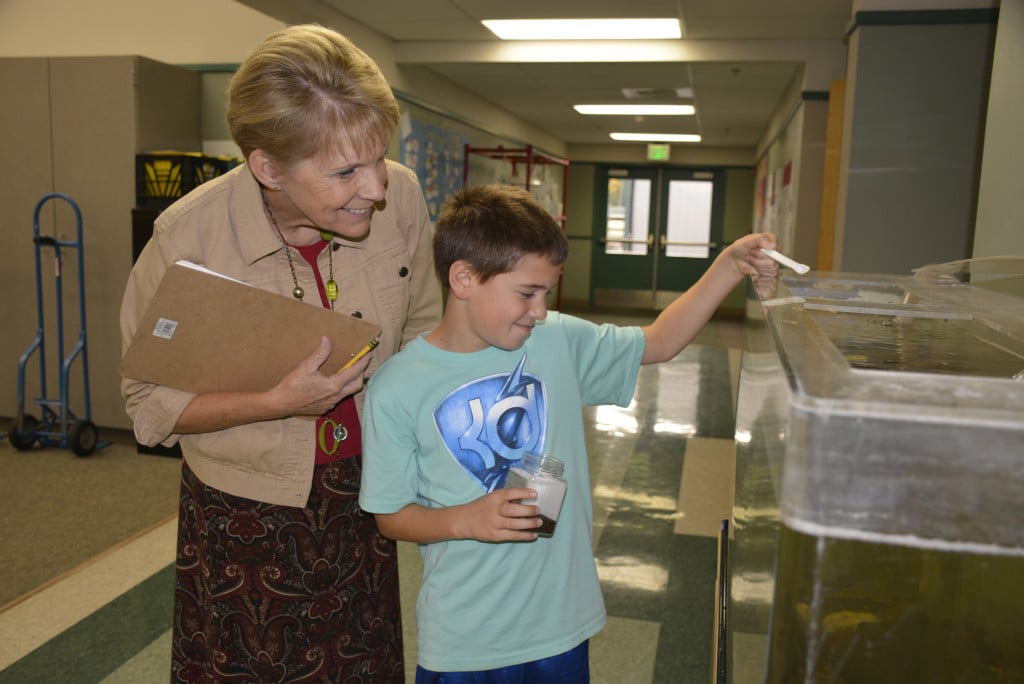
(662, 480)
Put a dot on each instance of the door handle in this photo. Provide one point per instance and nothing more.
(649, 240)
(664, 242)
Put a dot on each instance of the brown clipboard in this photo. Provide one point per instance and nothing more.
(204, 332)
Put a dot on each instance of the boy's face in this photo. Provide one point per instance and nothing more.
(503, 310)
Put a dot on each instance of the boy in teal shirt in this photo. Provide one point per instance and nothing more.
(501, 376)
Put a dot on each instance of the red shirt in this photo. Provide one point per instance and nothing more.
(338, 432)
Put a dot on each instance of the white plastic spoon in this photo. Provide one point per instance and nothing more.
(786, 261)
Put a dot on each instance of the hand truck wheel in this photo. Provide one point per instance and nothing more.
(23, 432)
(83, 437)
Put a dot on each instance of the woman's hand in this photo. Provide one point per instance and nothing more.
(307, 391)
(304, 391)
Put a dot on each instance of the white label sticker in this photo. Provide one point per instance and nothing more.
(165, 328)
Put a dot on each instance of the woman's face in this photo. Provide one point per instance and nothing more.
(337, 191)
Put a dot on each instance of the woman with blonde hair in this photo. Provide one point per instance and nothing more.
(280, 575)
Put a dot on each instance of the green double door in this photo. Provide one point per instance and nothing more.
(656, 231)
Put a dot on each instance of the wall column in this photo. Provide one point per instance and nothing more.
(916, 96)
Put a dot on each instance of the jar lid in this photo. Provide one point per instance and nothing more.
(543, 464)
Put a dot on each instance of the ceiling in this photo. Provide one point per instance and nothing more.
(737, 58)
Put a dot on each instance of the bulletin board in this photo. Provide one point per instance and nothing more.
(432, 143)
(435, 154)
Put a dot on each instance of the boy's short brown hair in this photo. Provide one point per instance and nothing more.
(492, 227)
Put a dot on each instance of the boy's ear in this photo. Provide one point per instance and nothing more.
(460, 279)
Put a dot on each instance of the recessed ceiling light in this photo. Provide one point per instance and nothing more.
(647, 93)
(655, 137)
(583, 29)
(639, 110)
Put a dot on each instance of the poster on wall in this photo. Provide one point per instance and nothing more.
(774, 203)
(436, 155)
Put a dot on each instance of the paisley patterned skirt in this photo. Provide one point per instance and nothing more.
(269, 593)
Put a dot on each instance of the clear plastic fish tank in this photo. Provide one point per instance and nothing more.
(880, 430)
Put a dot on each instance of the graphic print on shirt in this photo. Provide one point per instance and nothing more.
(489, 423)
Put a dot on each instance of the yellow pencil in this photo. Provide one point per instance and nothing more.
(362, 352)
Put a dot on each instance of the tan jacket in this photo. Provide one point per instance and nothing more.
(388, 278)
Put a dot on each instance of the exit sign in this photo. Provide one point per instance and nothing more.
(658, 152)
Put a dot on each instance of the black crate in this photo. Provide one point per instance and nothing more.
(162, 177)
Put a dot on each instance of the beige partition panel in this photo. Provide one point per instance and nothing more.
(26, 160)
(78, 126)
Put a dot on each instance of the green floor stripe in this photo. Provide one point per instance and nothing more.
(151, 664)
(684, 647)
(93, 648)
(715, 411)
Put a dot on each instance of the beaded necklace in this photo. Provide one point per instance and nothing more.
(331, 287)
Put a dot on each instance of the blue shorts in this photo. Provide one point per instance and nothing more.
(571, 667)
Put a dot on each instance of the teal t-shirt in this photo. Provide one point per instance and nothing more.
(442, 428)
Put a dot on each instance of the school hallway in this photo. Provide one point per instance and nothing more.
(87, 549)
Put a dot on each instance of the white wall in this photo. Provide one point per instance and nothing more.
(999, 229)
(206, 32)
(178, 32)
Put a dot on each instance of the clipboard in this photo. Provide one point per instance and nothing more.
(205, 332)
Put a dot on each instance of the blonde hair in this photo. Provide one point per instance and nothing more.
(307, 90)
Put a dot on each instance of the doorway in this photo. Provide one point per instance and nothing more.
(657, 230)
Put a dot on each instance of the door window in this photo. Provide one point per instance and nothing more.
(628, 223)
(688, 229)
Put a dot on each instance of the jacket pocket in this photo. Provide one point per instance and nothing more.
(390, 273)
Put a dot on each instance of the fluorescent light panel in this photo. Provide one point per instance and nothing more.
(637, 110)
(584, 29)
(655, 137)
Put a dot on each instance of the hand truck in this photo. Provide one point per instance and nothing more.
(58, 426)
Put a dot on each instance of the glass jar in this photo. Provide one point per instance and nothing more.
(542, 474)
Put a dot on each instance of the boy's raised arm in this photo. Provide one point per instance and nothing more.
(679, 323)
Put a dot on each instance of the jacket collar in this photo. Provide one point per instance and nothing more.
(256, 235)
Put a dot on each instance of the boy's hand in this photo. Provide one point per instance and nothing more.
(748, 258)
(494, 517)
(499, 517)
